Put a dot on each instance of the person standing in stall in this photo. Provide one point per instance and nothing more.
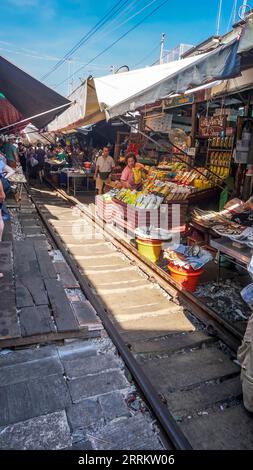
(131, 176)
(40, 157)
(104, 167)
(22, 153)
(11, 153)
(36, 162)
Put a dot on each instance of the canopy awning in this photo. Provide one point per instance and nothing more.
(84, 110)
(8, 114)
(221, 64)
(98, 94)
(28, 95)
(247, 36)
(115, 95)
(31, 135)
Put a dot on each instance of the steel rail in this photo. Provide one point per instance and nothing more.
(225, 330)
(169, 426)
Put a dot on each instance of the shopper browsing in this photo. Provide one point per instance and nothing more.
(104, 167)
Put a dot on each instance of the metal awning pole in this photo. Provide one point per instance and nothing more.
(35, 116)
(181, 150)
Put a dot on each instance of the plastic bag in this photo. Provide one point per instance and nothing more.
(33, 162)
(137, 172)
(247, 294)
(223, 199)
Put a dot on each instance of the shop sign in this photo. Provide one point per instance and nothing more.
(178, 101)
(212, 125)
(158, 122)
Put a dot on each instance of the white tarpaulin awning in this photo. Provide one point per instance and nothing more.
(95, 95)
(84, 109)
(32, 135)
(115, 95)
(220, 64)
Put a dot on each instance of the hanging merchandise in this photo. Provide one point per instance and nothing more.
(223, 199)
(247, 294)
(244, 145)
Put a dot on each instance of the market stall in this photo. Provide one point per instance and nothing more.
(17, 181)
(81, 175)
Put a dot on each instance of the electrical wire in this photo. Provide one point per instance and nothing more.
(129, 8)
(233, 15)
(119, 5)
(115, 42)
(130, 18)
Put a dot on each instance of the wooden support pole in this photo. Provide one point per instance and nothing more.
(194, 122)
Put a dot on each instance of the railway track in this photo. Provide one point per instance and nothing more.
(189, 378)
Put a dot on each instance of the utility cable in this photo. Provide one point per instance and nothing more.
(116, 41)
(119, 5)
(130, 17)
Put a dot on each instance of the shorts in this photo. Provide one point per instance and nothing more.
(100, 184)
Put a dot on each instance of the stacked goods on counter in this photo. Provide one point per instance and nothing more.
(140, 199)
(138, 208)
(17, 177)
(200, 178)
(219, 155)
(169, 191)
(104, 205)
(220, 164)
(199, 181)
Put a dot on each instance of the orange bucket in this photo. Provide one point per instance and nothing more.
(186, 278)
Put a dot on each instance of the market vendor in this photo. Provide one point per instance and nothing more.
(104, 166)
(11, 153)
(60, 154)
(131, 176)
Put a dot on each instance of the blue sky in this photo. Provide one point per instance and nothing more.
(35, 33)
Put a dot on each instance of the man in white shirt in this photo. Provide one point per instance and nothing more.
(104, 167)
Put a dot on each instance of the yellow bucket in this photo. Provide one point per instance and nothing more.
(151, 249)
